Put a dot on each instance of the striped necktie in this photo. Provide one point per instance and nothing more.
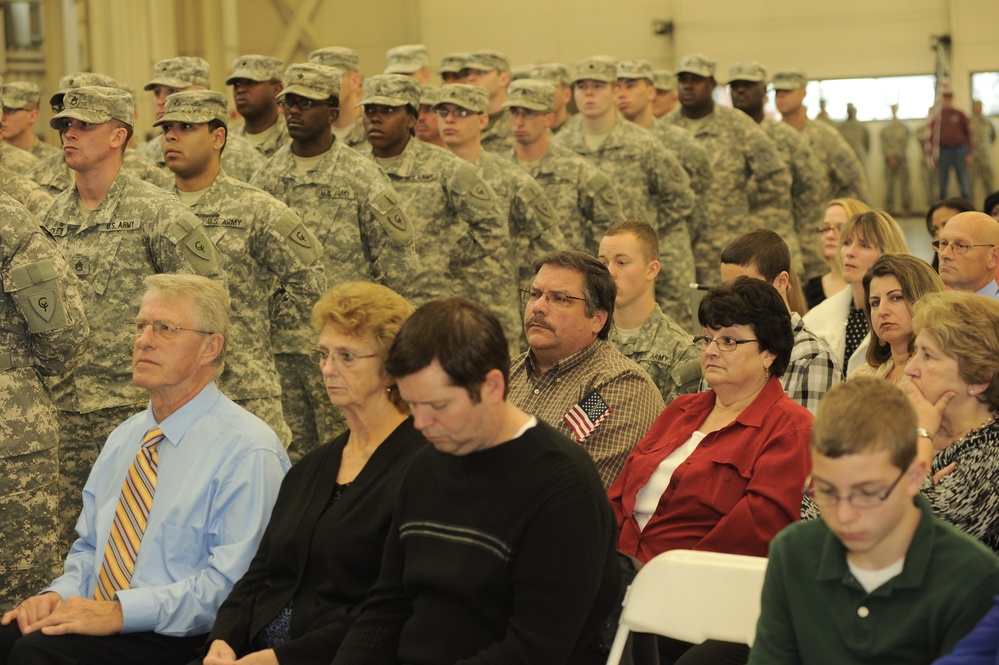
(129, 519)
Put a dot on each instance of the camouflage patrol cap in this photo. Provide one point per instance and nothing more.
(520, 72)
(311, 80)
(466, 96)
(256, 68)
(697, 63)
(487, 60)
(555, 72)
(598, 68)
(664, 80)
(406, 59)
(429, 94)
(391, 90)
(340, 57)
(80, 79)
(790, 80)
(19, 94)
(749, 70)
(181, 72)
(636, 69)
(453, 63)
(196, 106)
(531, 94)
(95, 105)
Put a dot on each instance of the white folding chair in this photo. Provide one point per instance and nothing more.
(693, 596)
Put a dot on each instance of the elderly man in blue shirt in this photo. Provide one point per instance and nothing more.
(174, 507)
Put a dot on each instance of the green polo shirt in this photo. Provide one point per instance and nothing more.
(814, 611)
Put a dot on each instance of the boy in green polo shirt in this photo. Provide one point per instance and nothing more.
(879, 579)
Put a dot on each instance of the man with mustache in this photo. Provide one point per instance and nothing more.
(571, 377)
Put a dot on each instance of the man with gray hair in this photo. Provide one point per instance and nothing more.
(533, 225)
(652, 184)
(256, 82)
(357, 217)
(271, 259)
(174, 507)
(751, 184)
(20, 112)
(348, 128)
(241, 159)
(114, 230)
(490, 70)
(747, 82)
(584, 197)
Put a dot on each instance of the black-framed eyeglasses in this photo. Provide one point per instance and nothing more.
(822, 230)
(959, 248)
(303, 103)
(164, 330)
(724, 343)
(859, 499)
(344, 359)
(456, 112)
(558, 297)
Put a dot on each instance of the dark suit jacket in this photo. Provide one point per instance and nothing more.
(323, 563)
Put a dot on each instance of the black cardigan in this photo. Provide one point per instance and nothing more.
(324, 563)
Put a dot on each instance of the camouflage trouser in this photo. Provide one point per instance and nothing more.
(982, 176)
(29, 558)
(81, 439)
(270, 411)
(676, 274)
(307, 409)
(900, 175)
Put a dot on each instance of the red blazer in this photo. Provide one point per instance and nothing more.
(740, 486)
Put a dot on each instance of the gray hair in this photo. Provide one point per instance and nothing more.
(211, 311)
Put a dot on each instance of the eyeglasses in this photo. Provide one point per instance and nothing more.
(344, 359)
(303, 103)
(560, 298)
(725, 343)
(956, 247)
(164, 330)
(526, 114)
(859, 499)
(822, 230)
(458, 112)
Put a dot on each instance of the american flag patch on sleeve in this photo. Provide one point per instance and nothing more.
(584, 417)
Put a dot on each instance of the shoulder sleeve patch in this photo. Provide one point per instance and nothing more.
(391, 216)
(35, 286)
(300, 239)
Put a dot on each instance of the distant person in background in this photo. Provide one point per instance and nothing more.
(983, 131)
(894, 144)
(950, 145)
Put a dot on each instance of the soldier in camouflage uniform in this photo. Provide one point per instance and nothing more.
(53, 175)
(240, 160)
(895, 144)
(641, 331)
(635, 95)
(748, 87)
(651, 183)
(534, 228)
(409, 59)
(349, 127)
(452, 69)
(271, 259)
(427, 127)
(490, 70)
(856, 134)
(256, 82)
(983, 134)
(20, 112)
(15, 159)
(558, 75)
(583, 196)
(19, 187)
(114, 230)
(353, 211)
(844, 173)
(666, 100)
(460, 228)
(751, 184)
(42, 330)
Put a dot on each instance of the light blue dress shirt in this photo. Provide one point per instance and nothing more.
(220, 468)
